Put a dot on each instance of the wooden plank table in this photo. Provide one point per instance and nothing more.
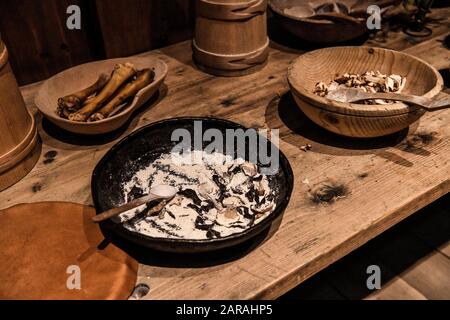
(381, 181)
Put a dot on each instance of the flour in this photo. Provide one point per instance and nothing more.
(218, 197)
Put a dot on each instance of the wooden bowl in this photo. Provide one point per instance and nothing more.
(348, 23)
(79, 77)
(358, 120)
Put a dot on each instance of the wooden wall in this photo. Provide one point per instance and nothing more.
(40, 44)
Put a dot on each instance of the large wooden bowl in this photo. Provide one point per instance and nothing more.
(349, 24)
(358, 120)
(79, 77)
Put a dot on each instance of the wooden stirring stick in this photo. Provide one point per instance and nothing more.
(441, 101)
(161, 192)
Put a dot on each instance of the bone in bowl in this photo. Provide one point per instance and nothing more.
(360, 120)
(79, 77)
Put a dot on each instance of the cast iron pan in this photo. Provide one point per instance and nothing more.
(139, 150)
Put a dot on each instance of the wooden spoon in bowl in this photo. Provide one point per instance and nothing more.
(337, 17)
(161, 192)
(439, 102)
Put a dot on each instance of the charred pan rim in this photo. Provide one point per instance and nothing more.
(183, 245)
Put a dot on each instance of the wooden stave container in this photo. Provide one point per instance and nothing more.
(19, 142)
(243, 25)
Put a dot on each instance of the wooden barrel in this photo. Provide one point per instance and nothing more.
(19, 142)
(231, 36)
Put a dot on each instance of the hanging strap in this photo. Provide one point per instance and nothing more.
(231, 62)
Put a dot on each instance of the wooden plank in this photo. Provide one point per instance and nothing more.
(385, 180)
(445, 249)
(172, 21)
(425, 269)
(396, 289)
(125, 26)
(432, 226)
(431, 276)
(433, 51)
(348, 276)
(41, 45)
(316, 288)
(36, 35)
(132, 26)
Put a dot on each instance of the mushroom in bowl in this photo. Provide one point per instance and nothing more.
(361, 120)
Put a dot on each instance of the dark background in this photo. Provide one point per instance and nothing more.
(40, 44)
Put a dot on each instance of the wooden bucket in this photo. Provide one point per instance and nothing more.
(231, 36)
(19, 142)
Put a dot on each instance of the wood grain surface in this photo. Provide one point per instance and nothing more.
(412, 263)
(41, 45)
(379, 182)
(420, 269)
(133, 26)
(36, 35)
